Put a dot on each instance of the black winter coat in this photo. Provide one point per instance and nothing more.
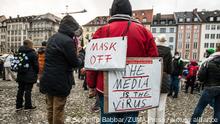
(29, 76)
(165, 53)
(177, 67)
(210, 73)
(61, 58)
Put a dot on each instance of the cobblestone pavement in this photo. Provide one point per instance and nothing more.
(78, 105)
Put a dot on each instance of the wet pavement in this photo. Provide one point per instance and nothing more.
(77, 110)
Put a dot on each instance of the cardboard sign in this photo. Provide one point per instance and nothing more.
(106, 53)
(135, 88)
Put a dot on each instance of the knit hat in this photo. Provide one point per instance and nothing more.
(121, 7)
(210, 51)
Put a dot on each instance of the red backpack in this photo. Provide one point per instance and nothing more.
(192, 71)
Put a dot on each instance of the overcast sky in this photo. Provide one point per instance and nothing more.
(98, 7)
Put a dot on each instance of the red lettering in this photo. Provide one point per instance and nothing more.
(100, 57)
(112, 46)
(106, 45)
(94, 46)
(108, 57)
(93, 60)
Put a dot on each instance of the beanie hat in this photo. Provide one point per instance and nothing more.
(121, 7)
(210, 51)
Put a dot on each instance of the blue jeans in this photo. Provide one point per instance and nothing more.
(207, 97)
(116, 118)
(174, 87)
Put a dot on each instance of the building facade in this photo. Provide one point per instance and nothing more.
(143, 16)
(210, 36)
(3, 27)
(42, 27)
(188, 34)
(165, 24)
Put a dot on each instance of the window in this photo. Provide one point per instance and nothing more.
(188, 27)
(180, 45)
(194, 56)
(170, 22)
(188, 19)
(180, 19)
(144, 20)
(212, 45)
(211, 19)
(171, 30)
(142, 13)
(207, 27)
(187, 55)
(187, 35)
(212, 36)
(206, 45)
(133, 14)
(162, 30)
(196, 36)
(206, 36)
(195, 19)
(218, 27)
(171, 39)
(217, 44)
(171, 47)
(195, 44)
(218, 36)
(181, 27)
(87, 29)
(180, 36)
(195, 27)
(218, 18)
(155, 22)
(154, 30)
(213, 27)
(163, 22)
(187, 45)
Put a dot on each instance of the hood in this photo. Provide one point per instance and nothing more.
(121, 7)
(68, 26)
(163, 50)
(41, 50)
(122, 17)
(24, 49)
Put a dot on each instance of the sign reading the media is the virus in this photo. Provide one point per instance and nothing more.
(106, 53)
(135, 88)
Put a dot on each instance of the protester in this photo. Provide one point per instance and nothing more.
(158, 114)
(1, 68)
(9, 75)
(61, 57)
(209, 73)
(41, 58)
(176, 75)
(140, 44)
(26, 77)
(191, 77)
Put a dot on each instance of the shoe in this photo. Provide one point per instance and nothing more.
(170, 94)
(19, 109)
(30, 108)
(175, 96)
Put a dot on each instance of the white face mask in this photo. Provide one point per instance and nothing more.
(176, 56)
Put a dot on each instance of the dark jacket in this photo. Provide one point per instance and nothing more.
(165, 53)
(177, 67)
(210, 72)
(61, 58)
(29, 76)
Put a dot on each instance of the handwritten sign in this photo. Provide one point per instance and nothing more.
(106, 53)
(135, 88)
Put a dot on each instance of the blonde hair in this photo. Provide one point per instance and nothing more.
(28, 43)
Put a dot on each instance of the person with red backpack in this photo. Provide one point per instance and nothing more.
(191, 77)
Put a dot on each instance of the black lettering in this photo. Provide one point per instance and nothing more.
(129, 103)
(116, 107)
(145, 84)
(137, 103)
(140, 70)
(134, 83)
(118, 84)
(133, 70)
(126, 83)
(144, 103)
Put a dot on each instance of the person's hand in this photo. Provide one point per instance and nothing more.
(83, 71)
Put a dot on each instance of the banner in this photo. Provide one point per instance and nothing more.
(135, 88)
(106, 53)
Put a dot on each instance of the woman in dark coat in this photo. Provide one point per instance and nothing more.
(27, 78)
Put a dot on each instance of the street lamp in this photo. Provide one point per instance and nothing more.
(67, 13)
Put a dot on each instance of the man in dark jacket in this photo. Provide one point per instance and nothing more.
(140, 43)
(27, 78)
(175, 75)
(61, 58)
(209, 73)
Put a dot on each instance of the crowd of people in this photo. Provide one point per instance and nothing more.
(52, 67)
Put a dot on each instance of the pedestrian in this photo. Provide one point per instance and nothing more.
(140, 44)
(41, 58)
(26, 76)
(209, 73)
(1, 68)
(7, 68)
(191, 76)
(158, 114)
(57, 78)
(176, 75)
